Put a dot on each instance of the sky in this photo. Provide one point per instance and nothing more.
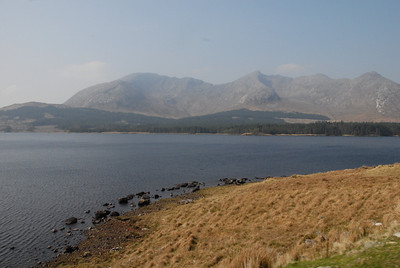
(51, 49)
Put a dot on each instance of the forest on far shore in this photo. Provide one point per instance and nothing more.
(236, 122)
(318, 128)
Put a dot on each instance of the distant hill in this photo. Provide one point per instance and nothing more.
(52, 117)
(370, 97)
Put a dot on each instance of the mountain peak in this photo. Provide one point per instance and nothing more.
(254, 74)
(374, 73)
(371, 75)
(134, 76)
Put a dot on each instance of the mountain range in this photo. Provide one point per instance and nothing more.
(143, 101)
(369, 97)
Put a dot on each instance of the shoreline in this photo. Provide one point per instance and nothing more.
(187, 133)
(178, 192)
(140, 228)
(119, 230)
(128, 207)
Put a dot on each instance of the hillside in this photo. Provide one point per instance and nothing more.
(52, 117)
(42, 117)
(370, 97)
(273, 222)
(37, 117)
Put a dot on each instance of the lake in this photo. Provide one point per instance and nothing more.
(47, 178)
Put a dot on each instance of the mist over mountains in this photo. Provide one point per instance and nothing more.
(150, 102)
(370, 97)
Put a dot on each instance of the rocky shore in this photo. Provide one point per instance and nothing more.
(269, 223)
(114, 231)
(110, 228)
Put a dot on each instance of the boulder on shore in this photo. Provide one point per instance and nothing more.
(192, 184)
(70, 249)
(114, 214)
(144, 201)
(101, 214)
(234, 181)
(197, 188)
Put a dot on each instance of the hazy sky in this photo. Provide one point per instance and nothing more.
(51, 49)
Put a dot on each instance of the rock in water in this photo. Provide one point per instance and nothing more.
(123, 200)
(71, 220)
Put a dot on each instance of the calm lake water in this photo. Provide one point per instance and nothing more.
(47, 178)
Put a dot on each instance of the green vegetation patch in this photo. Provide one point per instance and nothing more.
(379, 254)
(244, 117)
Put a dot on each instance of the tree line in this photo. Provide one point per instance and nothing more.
(318, 128)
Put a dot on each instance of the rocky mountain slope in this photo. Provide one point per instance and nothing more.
(152, 94)
(370, 97)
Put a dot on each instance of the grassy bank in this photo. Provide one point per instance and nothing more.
(270, 223)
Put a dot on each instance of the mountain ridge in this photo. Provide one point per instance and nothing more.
(368, 97)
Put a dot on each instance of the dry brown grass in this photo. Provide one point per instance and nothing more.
(267, 224)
